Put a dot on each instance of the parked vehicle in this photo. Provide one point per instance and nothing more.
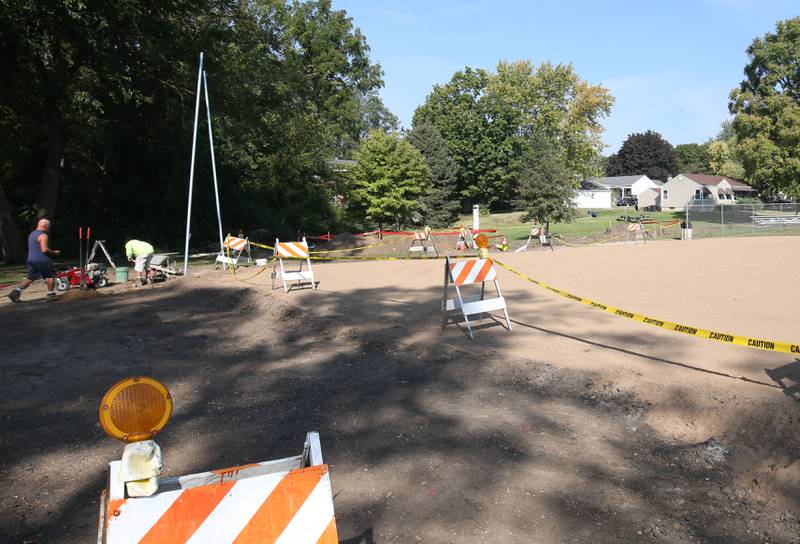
(627, 201)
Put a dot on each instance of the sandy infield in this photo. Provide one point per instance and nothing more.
(578, 426)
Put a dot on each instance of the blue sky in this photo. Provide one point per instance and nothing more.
(670, 65)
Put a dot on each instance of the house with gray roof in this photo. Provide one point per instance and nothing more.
(622, 186)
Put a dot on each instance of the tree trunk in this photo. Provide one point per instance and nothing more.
(51, 172)
(12, 245)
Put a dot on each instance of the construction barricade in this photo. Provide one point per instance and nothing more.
(465, 240)
(636, 230)
(293, 251)
(232, 250)
(540, 234)
(423, 242)
(285, 500)
(471, 272)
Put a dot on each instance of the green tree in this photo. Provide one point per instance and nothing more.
(97, 110)
(388, 180)
(490, 122)
(692, 158)
(721, 161)
(440, 206)
(547, 187)
(477, 131)
(766, 106)
(645, 153)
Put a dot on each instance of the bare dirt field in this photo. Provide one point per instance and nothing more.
(578, 426)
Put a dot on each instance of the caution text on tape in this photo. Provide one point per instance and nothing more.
(747, 341)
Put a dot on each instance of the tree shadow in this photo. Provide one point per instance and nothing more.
(446, 440)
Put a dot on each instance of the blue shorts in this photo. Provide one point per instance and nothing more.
(40, 269)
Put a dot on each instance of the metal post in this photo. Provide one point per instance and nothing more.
(191, 168)
(213, 160)
(722, 218)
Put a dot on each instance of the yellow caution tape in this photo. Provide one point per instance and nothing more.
(747, 341)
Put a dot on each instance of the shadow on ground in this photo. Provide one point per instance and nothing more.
(435, 442)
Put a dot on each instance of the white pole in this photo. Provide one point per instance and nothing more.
(213, 160)
(191, 169)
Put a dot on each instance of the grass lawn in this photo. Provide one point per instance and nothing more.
(585, 226)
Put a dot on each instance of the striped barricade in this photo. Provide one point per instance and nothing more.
(465, 240)
(293, 251)
(233, 248)
(471, 272)
(635, 230)
(537, 233)
(283, 501)
(423, 241)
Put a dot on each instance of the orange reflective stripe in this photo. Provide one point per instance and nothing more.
(464, 272)
(274, 515)
(329, 536)
(186, 514)
(287, 248)
(487, 267)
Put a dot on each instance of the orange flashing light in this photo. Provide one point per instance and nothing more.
(482, 241)
(135, 409)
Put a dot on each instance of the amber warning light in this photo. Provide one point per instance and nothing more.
(135, 409)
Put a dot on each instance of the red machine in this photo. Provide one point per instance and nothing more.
(73, 277)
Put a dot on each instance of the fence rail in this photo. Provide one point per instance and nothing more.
(743, 219)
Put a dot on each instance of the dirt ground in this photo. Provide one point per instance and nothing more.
(578, 426)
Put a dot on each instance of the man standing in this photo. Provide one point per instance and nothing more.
(140, 253)
(39, 263)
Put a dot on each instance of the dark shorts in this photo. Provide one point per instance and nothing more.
(43, 269)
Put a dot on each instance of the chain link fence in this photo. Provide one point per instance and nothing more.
(707, 221)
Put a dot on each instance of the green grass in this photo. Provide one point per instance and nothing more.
(584, 226)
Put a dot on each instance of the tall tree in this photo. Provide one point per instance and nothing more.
(645, 153)
(491, 121)
(477, 131)
(387, 181)
(547, 187)
(97, 105)
(766, 106)
(692, 158)
(721, 161)
(439, 207)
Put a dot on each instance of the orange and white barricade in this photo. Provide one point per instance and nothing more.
(471, 272)
(423, 241)
(465, 240)
(232, 250)
(537, 233)
(293, 251)
(634, 230)
(285, 500)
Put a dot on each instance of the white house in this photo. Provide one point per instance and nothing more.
(700, 190)
(622, 186)
(592, 196)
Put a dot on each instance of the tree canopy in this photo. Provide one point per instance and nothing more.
(766, 106)
(387, 181)
(440, 207)
(692, 158)
(97, 111)
(547, 187)
(491, 120)
(645, 153)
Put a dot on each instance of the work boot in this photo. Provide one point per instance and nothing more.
(14, 295)
(51, 296)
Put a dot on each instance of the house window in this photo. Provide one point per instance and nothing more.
(664, 194)
(697, 194)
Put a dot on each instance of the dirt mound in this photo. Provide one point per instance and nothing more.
(78, 294)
